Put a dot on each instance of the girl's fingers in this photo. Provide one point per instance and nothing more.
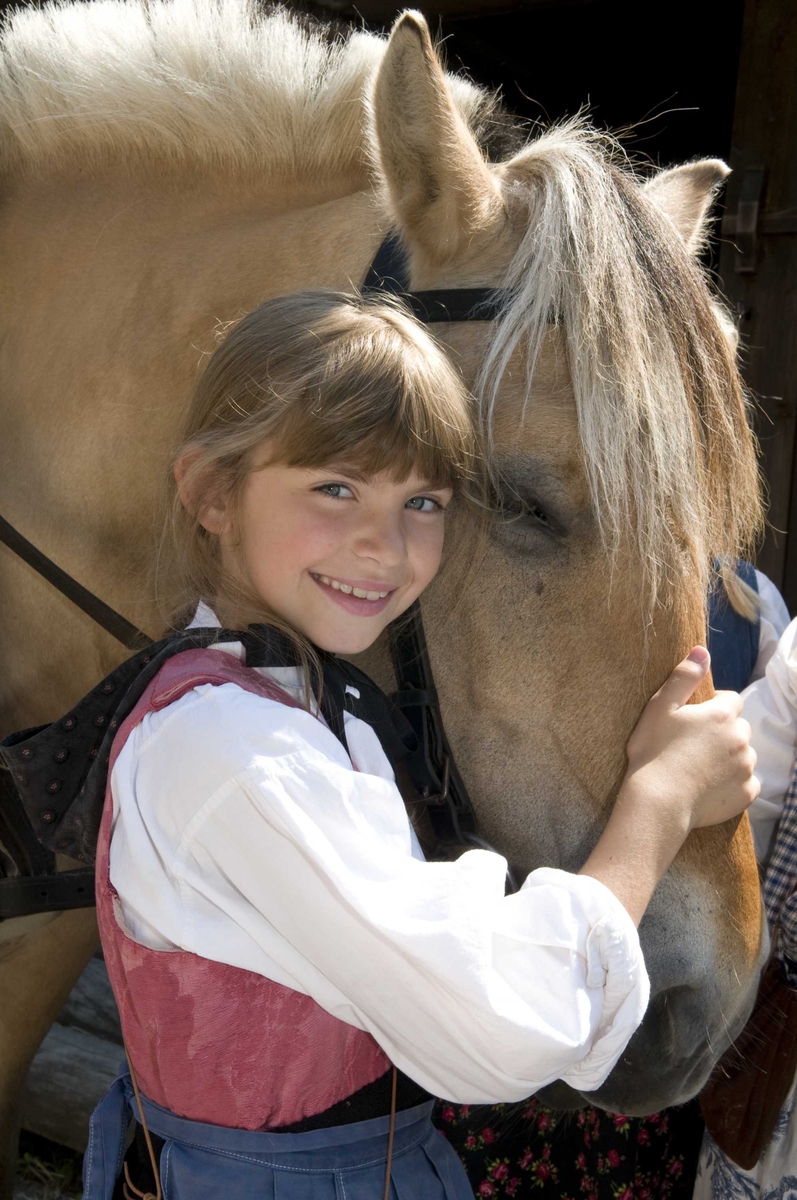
(734, 702)
(679, 688)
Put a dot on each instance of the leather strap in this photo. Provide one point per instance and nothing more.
(389, 273)
(26, 894)
(100, 612)
(431, 765)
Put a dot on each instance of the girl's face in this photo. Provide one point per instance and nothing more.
(336, 555)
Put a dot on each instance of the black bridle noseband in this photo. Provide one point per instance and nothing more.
(430, 766)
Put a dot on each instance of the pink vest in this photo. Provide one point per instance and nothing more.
(208, 1041)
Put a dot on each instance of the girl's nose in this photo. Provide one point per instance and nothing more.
(381, 537)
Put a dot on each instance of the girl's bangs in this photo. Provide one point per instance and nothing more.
(390, 451)
(401, 434)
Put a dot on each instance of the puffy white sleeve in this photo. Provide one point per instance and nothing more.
(288, 862)
(770, 705)
(773, 619)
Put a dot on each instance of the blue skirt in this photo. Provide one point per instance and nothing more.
(346, 1162)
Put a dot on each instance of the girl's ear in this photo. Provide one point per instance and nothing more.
(199, 495)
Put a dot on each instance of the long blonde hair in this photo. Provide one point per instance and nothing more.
(325, 377)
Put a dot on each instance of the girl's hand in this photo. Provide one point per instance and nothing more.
(694, 761)
(689, 765)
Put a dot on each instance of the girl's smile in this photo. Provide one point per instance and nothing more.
(363, 597)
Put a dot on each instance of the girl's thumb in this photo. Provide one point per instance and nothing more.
(678, 689)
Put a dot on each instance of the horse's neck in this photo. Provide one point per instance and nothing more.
(110, 300)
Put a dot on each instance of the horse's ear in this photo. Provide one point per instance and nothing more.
(686, 194)
(440, 187)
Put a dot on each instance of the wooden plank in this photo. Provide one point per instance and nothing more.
(91, 1006)
(68, 1077)
(76, 1062)
(766, 301)
(771, 223)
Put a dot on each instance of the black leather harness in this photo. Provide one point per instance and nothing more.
(51, 795)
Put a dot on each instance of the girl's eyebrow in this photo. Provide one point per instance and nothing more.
(431, 485)
(339, 468)
(358, 475)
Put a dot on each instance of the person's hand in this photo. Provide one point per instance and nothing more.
(694, 761)
(689, 765)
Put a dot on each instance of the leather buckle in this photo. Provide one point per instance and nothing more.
(440, 797)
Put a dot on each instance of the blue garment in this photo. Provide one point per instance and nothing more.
(346, 1162)
(732, 639)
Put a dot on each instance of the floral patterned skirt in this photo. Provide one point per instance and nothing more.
(525, 1150)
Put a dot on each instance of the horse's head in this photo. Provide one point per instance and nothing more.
(620, 449)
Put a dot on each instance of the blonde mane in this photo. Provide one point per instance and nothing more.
(662, 412)
(202, 82)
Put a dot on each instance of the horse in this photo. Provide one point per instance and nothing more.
(167, 165)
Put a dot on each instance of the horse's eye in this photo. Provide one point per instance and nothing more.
(518, 513)
(540, 515)
(514, 507)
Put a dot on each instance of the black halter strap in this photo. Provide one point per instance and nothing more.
(388, 273)
(409, 723)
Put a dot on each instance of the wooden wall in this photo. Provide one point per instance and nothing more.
(758, 261)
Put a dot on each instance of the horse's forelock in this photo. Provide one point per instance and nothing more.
(662, 412)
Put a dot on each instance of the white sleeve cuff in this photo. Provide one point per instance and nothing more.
(614, 966)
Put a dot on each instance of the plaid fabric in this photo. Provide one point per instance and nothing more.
(780, 884)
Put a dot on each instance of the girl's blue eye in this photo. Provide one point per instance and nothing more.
(335, 490)
(424, 504)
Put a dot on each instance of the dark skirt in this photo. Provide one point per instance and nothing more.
(528, 1150)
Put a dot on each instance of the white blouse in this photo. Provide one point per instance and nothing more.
(244, 833)
(770, 705)
(774, 619)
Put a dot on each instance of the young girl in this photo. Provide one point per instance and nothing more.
(294, 980)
